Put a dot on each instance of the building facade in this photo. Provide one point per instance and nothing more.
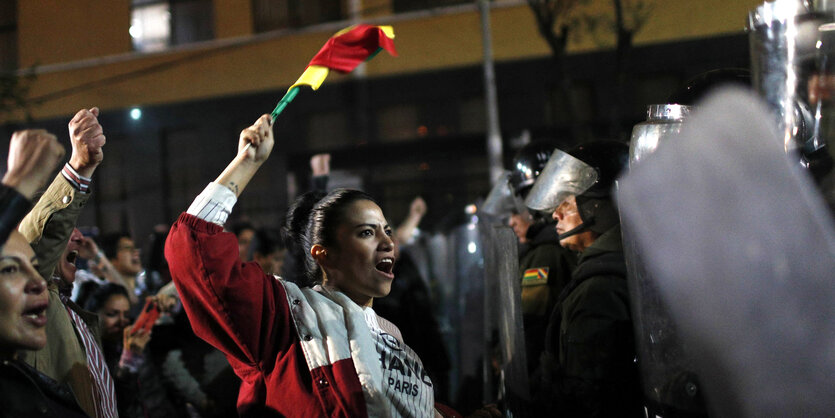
(177, 80)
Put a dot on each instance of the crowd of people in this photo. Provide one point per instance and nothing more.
(324, 316)
(76, 306)
(234, 329)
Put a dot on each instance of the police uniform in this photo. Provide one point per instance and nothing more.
(545, 268)
(588, 367)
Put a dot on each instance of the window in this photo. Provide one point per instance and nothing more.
(156, 24)
(279, 14)
(8, 35)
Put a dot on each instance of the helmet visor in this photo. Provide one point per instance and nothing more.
(563, 176)
(499, 201)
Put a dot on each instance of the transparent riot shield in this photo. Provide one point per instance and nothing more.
(742, 249)
(670, 385)
(503, 318)
(458, 263)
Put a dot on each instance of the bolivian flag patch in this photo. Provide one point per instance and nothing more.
(535, 276)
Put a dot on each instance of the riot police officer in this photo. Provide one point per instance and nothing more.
(544, 267)
(588, 368)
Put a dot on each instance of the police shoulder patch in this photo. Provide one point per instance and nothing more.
(535, 276)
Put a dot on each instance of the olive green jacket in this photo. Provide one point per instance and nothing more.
(47, 228)
(543, 270)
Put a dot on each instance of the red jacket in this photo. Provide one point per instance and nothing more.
(247, 314)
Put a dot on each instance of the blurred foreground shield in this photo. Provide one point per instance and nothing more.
(743, 249)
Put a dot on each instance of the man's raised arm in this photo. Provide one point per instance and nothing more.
(49, 225)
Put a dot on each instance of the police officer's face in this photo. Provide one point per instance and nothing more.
(568, 217)
(520, 222)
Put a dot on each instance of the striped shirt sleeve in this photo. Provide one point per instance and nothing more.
(78, 181)
(214, 204)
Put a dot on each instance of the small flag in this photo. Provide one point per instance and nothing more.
(345, 50)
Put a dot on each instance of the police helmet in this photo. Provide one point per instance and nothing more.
(528, 164)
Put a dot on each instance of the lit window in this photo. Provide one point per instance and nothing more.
(150, 27)
(157, 24)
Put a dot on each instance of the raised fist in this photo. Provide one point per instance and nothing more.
(87, 140)
(88, 249)
(257, 142)
(418, 207)
(320, 164)
(33, 157)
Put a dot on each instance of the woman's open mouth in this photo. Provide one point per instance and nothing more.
(386, 266)
(72, 256)
(36, 314)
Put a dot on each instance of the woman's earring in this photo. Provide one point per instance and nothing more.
(319, 251)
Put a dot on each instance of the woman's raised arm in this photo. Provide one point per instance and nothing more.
(230, 304)
(254, 146)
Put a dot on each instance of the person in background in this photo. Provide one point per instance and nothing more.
(520, 222)
(409, 227)
(245, 232)
(320, 168)
(24, 391)
(123, 255)
(139, 386)
(72, 354)
(268, 250)
(99, 272)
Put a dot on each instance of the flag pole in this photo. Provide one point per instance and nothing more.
(288, 97)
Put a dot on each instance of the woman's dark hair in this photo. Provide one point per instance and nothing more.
(99, 297)
(313, 219)
(295, 223)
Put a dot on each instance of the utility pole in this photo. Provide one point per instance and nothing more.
(494, 134)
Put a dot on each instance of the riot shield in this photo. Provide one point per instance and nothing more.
(670, 385)
(458, 262)
(499, 202)
(503, 318)
(742, 249)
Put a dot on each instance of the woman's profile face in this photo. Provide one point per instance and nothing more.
(23, 297)
(114, 316)
(361, 263)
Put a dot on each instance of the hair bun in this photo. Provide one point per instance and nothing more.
(298, 215)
